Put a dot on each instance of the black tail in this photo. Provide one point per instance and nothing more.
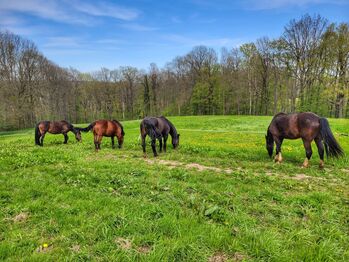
(332, 148)
(86, 129)
(37, 135)
(122, 128)
(151, 129)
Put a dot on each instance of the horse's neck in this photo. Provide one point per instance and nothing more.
(173, 131)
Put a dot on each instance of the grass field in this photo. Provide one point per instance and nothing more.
(218, 197)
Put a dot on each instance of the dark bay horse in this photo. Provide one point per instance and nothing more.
(108, 128)
(307, 126)
(158, 128)
(55, 127)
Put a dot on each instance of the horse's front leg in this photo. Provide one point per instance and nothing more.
(65, 138)
(165, 141)
(278, 142)
(320, 148)
(112, 142)
(308, 152)
(153, 146)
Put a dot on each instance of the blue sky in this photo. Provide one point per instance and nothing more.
(88, 35)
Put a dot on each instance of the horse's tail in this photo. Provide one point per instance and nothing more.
(332, 148)
(150, 129)
(86, 129)
(122, 128)
(37, 134)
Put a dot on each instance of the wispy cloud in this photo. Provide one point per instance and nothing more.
(63, 42)
(138, 27)
(276, 4)
(72, 12)
(106, 9)
(213, 42)
(176, 20)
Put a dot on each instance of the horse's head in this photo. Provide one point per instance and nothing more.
(175, 141)
(78, 135)
(269, 141)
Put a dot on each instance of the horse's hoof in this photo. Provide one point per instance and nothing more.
(321, 165)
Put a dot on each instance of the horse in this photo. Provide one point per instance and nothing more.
(55, 127)
(108, 128)
(307, 126)
(158, 128)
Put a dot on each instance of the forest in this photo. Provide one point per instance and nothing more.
(305, 69)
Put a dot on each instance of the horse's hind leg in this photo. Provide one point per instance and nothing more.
(160, 144)
(112, 142)
(153, 146)
(308, 152)
(65, 138)
(41, 139)
(99, 140)
(320, 148)
(95, 140)
(143, 146)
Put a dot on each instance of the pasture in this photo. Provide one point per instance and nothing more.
(218, 197)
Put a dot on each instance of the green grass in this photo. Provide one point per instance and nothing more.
(114, 205)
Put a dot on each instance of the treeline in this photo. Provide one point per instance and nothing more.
(305, 69)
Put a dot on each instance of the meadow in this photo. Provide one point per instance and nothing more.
(217, 197)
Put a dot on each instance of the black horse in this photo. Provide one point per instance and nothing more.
(307, 126)
(158, 128)
(55, 127)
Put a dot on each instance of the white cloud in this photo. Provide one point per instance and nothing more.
(72, 12)
(104, 9)
(275, 4)
(213, 42)
(138, 27)
(63, 42)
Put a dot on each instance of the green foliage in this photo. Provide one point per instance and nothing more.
(219, 193)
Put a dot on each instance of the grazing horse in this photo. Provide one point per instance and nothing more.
(57, 127)
(108, 128)
(158, 128)
(307, 126)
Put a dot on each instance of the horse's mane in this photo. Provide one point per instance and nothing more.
(279, 114)
(122, 128)
(172, 127)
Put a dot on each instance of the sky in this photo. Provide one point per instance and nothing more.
(88, 35)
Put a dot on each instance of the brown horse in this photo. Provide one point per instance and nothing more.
(108, 128)
(307, 126)
(158, 128)
(55, 127)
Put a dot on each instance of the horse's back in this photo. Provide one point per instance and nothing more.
(295, 125)
(106, 128)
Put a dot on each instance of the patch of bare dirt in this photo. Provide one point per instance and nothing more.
(21, 217)
(44, 248)
(75, 248)
(172, 164)
(144, 249)
(239, 257)
(218, 257)
(123, 243)
(300, 177)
